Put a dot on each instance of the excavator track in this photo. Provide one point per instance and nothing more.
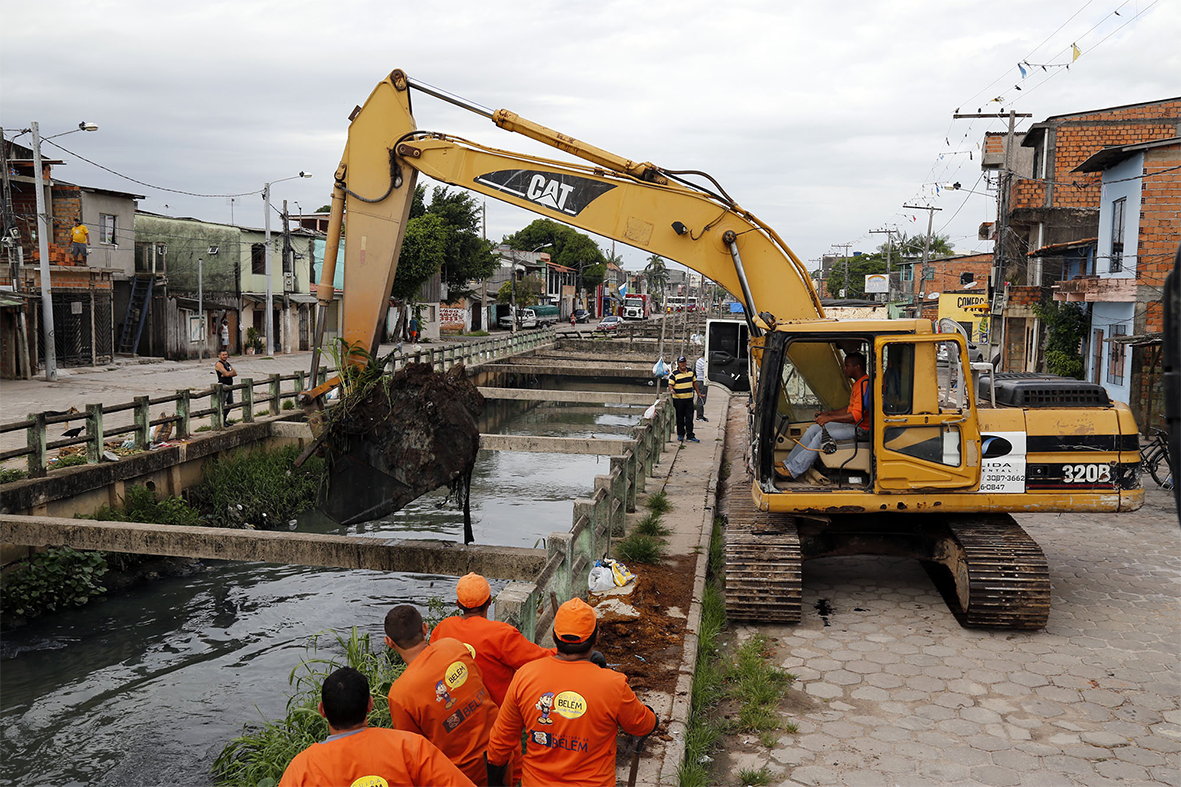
(999, 576)
(764, 580)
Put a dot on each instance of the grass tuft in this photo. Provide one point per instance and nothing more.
(658, 503)
(749, 777)
(638, 548)
(652, 524)
(8, 475)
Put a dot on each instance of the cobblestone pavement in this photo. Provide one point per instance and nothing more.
(892, 691)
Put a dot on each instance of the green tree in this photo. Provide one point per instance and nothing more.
(529, 292)
(567, 247)
(467, 256)
(656, 274)
(424, 248)
(1066, 325)
(912, 246)
(859, 267)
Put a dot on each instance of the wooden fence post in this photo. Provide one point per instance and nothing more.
(94, 430)
(143, 422)
(35, 435)
(183, 403)
(248, 400)
(276, 391)
(217, 401)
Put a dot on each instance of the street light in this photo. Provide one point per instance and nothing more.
(513, 285)
(266, 198)
(49, 350)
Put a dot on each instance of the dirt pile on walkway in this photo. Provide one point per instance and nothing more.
(403, 436)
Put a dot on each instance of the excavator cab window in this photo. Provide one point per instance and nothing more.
(727, 354)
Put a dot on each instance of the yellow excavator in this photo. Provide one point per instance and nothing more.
(952, 448)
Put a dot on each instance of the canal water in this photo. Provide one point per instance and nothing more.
(147, 687)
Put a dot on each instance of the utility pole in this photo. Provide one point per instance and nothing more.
(48, 350)
(926, 250)
(845, 257)
(889, 233)
(288, 267)
(201, 307)
(998, 246)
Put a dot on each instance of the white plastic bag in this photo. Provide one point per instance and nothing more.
(659, 369)
(600, 579)
(650, 413)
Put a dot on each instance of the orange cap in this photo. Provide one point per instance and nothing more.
(575, 621)
(472, 591)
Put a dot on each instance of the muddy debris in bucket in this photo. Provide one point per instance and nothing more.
(401, 436)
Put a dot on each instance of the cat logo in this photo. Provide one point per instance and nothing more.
(557, 191)
(456, 675)
(569, 704)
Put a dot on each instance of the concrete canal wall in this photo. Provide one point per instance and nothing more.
(38, 512)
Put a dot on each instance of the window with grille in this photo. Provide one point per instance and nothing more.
(258, 258)
(1115, 365)
(1117, 234)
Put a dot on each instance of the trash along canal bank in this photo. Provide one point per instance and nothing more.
(152, 684)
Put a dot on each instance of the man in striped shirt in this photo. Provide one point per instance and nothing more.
(683, 385)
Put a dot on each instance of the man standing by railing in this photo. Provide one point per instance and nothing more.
(225, 375)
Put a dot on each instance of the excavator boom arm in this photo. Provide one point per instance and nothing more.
(615, 197)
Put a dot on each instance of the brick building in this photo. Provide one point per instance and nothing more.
(1139, 231)
(1049, 224)
(82, 293)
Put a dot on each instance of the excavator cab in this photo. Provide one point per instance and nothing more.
(923, 427)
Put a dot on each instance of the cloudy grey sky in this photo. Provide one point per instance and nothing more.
(822, 118)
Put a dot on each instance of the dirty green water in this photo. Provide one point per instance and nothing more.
(147, 687)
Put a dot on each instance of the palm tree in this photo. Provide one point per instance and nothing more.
(656, 274)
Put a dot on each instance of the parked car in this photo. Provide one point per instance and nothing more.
(610, 323)
(581, 315)
(975, 354)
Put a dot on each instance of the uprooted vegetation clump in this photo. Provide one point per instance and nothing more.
(395, 437)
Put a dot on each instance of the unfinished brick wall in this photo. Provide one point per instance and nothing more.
(1072, 140)
(1160, 225)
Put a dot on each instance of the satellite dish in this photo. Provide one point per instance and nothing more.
(932, 296)
(969, 285)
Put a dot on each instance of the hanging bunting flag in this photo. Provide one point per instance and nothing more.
(1076, 51)
(1021, 68)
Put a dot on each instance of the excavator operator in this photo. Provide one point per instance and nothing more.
(849, 422)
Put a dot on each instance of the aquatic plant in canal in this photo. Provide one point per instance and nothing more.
(258, 488)
(258, 757)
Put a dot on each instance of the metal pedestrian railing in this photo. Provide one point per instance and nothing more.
(208, 409)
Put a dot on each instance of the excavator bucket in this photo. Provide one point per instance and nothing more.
(403, 436)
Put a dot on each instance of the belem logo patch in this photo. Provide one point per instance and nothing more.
(456, 675)
(569, 704)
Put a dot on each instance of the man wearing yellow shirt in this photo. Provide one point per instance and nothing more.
(81, 237)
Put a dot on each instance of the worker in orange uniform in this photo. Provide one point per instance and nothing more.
(355, 753)
(441, 694)
(570, 708)
(500, 649)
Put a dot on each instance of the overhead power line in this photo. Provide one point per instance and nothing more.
(148, 185)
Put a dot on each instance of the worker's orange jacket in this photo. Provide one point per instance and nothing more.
(400, 758)
(571, 711)
(501, 649)
(442, 696)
